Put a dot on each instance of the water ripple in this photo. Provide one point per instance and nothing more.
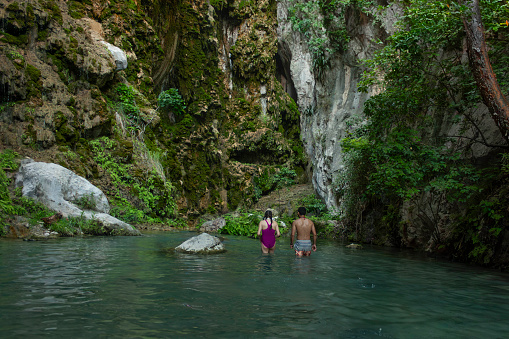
(130, 287)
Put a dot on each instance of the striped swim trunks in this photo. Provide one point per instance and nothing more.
(302, 245)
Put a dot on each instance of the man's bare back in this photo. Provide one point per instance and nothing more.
(303, 227)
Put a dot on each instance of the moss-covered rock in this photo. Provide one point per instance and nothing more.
(238, 120)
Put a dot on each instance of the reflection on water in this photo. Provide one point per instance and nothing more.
(135, 287)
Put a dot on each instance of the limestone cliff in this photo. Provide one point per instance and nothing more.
(324, 54)
(65, 98)
(330, 99)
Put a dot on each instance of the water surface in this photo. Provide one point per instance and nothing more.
(131, 287)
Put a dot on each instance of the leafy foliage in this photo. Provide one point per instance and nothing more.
(323, 23)
(154, 194)
(271, 180)
(245, 224)
(127, 102)
(397, 153)
(172, 101)
(314, 205)
(72, 226)
(7, 161)
(306, 18)
(284, 178)
(86, 202)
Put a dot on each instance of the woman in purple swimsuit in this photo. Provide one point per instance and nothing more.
(267, 232)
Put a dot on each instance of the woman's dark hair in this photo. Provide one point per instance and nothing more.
(268, 214)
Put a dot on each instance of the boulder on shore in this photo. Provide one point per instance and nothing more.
(202, 244)
(65, 192)
(213, 225)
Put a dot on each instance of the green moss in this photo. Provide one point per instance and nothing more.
(34, 84)
(76, 15)
(74, 42)
(53, 9)
(13, 55)
(42, 35)
(19, 41)
(65, 134)
(13, 7)
(32, 72)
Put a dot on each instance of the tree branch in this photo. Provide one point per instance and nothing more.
(480, 65)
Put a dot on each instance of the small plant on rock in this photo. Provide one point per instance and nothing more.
(171, 101)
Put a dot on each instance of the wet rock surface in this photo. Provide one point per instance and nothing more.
(202, 244)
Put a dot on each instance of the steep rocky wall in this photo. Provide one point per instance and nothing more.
(328, 99)
(61, 90)
(239, 123)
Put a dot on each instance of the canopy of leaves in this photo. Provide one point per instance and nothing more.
(397, 152)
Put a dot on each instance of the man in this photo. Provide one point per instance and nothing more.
(303, 227)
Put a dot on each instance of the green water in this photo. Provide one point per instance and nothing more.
(129, 287)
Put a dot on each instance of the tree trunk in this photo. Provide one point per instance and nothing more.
(480, 66)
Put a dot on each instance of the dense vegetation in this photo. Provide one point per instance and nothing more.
(399, 159)
(205, 127)
(174, 135)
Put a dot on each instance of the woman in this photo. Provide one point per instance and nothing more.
(268, 231)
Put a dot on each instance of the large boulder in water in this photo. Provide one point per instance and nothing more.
(203, 243)
(64, 191)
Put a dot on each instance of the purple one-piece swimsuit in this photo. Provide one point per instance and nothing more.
(268, 236)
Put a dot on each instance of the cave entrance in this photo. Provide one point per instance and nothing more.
(283, 74)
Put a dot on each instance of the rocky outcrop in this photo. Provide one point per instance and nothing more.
(73, 196)
(201, 244)
(51, 81)
(63, 82)
(117, 54)
(20, 228)
(330, 98)
(213, 225)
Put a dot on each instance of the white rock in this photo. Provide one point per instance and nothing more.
(59, 189)
(118, 54)
(203, 243)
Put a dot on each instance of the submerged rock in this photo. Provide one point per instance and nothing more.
(203, 243)
(354, 246)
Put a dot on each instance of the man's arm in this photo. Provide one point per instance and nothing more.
(293, 234)
(313, 229)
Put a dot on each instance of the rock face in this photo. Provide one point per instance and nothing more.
(118, 54)
(62, 65)
(331, 98)
(203, 243)
(63, 191)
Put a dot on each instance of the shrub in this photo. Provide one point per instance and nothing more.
(171, 100)
(6, 161)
